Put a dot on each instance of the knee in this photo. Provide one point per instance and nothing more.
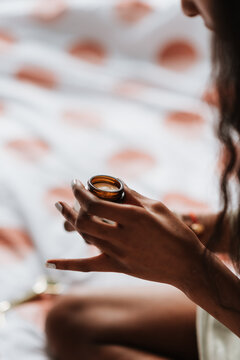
(66, 326)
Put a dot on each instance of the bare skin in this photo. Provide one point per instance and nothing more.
(150, 323)
(181, 307)
(209, 222)
(124, 326)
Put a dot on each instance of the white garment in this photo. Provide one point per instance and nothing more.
(215, 341)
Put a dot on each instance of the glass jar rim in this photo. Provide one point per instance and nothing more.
(116, 180)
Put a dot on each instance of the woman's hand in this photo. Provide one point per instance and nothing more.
(146, 240)
(131, 198)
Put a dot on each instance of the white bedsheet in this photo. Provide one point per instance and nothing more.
(89, 87)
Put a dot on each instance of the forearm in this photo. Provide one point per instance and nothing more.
(212, 286)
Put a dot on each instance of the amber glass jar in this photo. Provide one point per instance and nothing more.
(107, 188)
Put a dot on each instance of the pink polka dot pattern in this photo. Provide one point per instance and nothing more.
(99, 74)
(89, 50)
(49, 10)
(189, 123)
(182, 203)
(130, 162)
(15, 245)
(132, 11)
(28, 149)
(60, 193)
(177, 55)
(6, 40)
(82, 118)
(37, 76)
(130, 88)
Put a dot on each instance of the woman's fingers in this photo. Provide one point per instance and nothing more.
(68, 227)
(104, 246)
(90, 225)
(68, 212)
(105, 209)
(132, 197)
(100, 263)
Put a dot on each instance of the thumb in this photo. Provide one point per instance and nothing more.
(100, 263)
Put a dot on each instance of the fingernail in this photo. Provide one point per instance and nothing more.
(50, 265)
(75, 182)
(59, 207)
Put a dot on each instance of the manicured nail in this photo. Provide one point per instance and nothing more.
(50, 265)
(59, 207)
(75, 182)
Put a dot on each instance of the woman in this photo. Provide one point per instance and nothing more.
(152, 243)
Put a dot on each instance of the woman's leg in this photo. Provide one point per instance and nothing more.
(152, 321)
(110, 352)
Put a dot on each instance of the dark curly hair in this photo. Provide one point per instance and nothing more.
(226, 75)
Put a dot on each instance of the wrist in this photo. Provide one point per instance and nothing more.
(194, 268)
(197, 285)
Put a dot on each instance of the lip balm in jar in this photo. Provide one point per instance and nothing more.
(106, 187)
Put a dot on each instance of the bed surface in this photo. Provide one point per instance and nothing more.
(90, 87)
